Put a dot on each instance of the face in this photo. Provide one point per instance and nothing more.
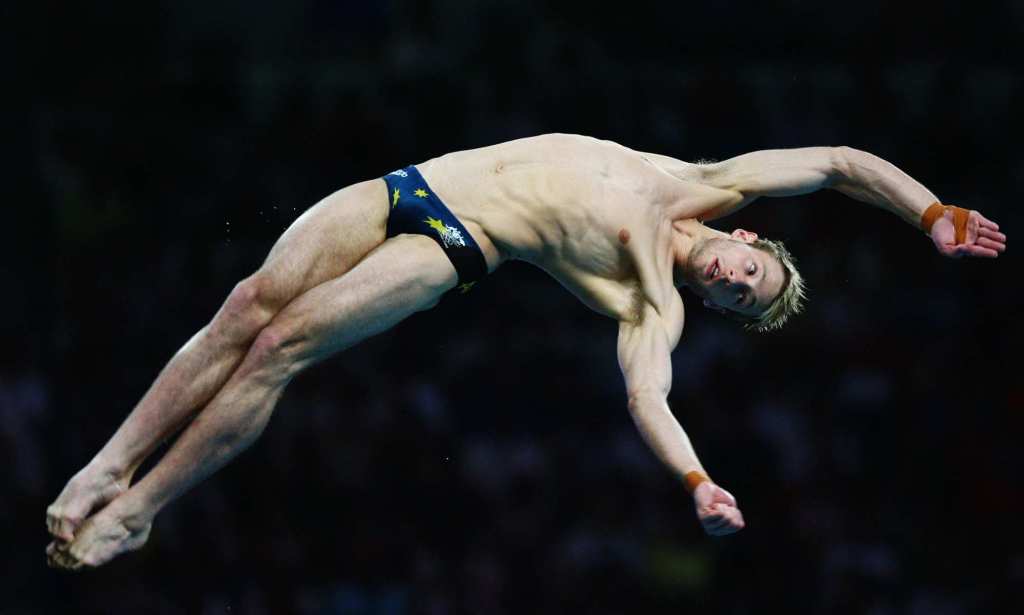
(730, 274)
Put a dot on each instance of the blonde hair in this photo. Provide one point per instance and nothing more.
(790, 300)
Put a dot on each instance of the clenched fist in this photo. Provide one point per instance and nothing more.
(716, 510)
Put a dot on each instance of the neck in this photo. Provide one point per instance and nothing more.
(687, 235)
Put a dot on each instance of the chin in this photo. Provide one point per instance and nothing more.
(691, 278)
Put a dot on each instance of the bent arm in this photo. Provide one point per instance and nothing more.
(645, 357)
(790, 172)
(870, 179)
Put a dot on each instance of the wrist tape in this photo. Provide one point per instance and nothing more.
(937, 210)
(694, 478)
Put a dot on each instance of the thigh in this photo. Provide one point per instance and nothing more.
(327, 240)
(404, 275)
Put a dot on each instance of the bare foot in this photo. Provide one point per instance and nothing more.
(87, 491)
(100, 539)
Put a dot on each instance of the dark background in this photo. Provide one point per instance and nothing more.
(479, 457)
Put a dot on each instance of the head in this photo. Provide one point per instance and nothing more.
(752, 280)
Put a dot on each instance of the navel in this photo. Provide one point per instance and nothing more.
(624, 236)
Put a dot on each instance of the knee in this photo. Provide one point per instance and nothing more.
(254, 292)
(249, 307)
(276, 349)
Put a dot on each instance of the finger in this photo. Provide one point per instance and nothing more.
(985, 242)
(72, 562)
(51, 519)
(978, 251)
(985, 222)
(718, 519)
(51, 554)
(714, 508)
(991, 234)
(720, 510)
(62, 559)
(728, 530)
(730, 500)
(716, 529)
(61, 525)
(66, 528)
(737, 520)
(56, 547)
(729, 518)
(733, 525)
(972, 229)
(712, 522)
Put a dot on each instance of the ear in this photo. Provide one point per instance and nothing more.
(745, 236)
(712, 306)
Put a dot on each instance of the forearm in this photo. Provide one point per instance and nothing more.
(870, 179)
(663, 434)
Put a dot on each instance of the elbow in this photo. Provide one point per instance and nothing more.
(841, 164)
(642, 397)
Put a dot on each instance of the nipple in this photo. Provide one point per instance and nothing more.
(624, 236)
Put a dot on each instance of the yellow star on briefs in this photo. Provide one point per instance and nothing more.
(464, 288)
(436, 224)
(395, 200)
(421, 193)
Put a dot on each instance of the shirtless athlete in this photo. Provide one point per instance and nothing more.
(620, 229)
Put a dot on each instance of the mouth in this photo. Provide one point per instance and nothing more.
(712, 269)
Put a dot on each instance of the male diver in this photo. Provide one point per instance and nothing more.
(619, 228)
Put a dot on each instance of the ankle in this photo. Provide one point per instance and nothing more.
(130, 513)
(106, 470)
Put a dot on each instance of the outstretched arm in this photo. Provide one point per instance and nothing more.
(857, 174)
(645, 347)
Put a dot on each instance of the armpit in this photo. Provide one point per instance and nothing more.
(637, 303)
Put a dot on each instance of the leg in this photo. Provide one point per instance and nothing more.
(323, 243)
(404, 275)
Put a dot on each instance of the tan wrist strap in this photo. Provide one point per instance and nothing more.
(693, 479)
(937, 210)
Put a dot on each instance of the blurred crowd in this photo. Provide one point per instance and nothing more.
(479, 457)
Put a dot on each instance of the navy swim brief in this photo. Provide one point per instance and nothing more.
(415, 209)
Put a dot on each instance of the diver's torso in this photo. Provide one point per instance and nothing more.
(562, 202)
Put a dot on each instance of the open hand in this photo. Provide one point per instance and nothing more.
(983, 237)
(716, 510)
